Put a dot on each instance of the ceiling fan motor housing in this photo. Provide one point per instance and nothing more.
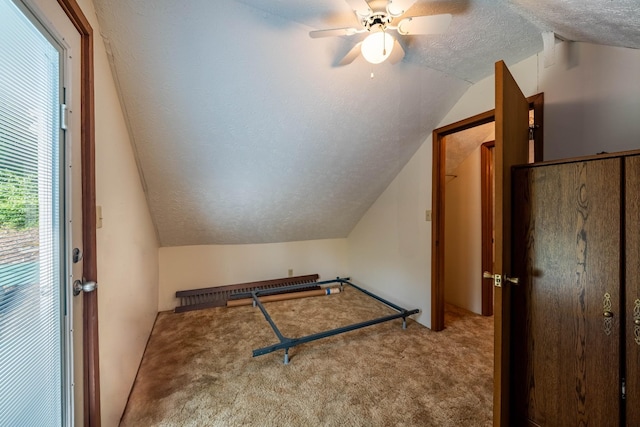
(378, 21)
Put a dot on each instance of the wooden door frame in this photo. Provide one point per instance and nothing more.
(486, 189)
(90, 359)
(536, 102)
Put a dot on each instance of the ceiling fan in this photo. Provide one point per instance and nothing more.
(378, 17)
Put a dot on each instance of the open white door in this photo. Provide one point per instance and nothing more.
(40, 214)
(63, 200)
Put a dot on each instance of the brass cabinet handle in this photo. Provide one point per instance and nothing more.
(607, 314)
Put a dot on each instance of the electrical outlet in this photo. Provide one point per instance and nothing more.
(291, 272)
(428, 216)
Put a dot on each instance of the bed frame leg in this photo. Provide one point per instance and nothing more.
(286, 356)
(404, 323)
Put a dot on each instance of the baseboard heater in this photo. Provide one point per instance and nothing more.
(217, 296)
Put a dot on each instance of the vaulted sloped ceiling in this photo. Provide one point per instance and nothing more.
(247, 131)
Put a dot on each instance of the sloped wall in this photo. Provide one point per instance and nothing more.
(387, 247)
(126, 244)
(592, 104)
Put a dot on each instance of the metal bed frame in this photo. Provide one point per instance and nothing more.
(286, 342)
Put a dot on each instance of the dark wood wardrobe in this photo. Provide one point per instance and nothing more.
(575, 336)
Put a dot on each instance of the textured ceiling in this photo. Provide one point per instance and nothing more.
(247, 131)
(461, 144)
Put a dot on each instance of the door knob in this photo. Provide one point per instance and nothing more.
(83, 286)
(498, 278)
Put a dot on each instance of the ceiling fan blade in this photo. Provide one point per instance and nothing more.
(332, 32)
(434, 24)
(396, 8)
(351, 55)
(397, 53)
(360, 7)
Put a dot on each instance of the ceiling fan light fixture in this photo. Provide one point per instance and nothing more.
(377, 47)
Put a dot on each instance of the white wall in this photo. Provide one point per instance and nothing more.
(463, 234)
(592, 100)
(126, 244)
(387, 247)
(590, 90)
(192, 267)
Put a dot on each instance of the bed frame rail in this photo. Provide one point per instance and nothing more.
(286, 343)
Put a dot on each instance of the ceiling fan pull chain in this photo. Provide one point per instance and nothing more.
(384, 43)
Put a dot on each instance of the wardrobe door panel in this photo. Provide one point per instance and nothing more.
(567, 254)
(632, 248)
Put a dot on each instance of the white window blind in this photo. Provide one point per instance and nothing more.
(31, 308)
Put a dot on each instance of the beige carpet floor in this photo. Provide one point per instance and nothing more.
(198, 369)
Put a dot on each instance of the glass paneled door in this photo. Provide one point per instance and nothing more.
(35, 377)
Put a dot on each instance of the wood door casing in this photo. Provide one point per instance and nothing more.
(511, 148)
(486, 195)
(536, 103)
(632, 285)
(91, 353)
(565, 365)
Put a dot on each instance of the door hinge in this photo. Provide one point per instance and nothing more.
(63, 116)
(624, 389)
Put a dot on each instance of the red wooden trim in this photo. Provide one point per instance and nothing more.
(91, 360)
(468, 123)
(438, 201)
(437, 234)
(486, 168)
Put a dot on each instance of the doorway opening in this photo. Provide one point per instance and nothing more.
(463, 216)
(438, 203)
